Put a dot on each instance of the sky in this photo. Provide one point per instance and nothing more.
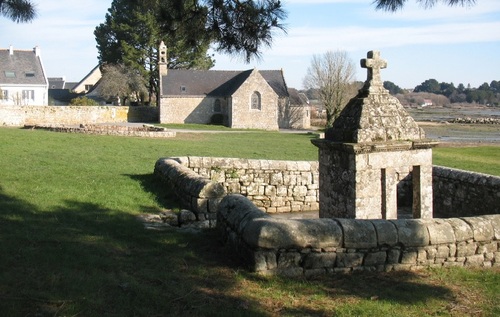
(449, 44)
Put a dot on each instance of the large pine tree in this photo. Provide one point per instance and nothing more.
(395, 5)
(133, 29)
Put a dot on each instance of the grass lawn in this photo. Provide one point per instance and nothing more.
(70, 243)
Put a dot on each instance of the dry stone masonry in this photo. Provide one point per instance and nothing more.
(465, 193)
(322, 246)
(273, 186)
(308, 247)
(145, 130)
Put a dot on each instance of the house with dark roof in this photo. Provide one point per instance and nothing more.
(22, 78)
(89, 81)
(298, 112)
(248, 99)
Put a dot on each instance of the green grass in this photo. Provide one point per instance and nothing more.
(70, 243)
(483, 159)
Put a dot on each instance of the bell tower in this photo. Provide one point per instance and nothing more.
(162, 60)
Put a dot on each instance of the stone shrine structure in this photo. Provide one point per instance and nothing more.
(372, 146)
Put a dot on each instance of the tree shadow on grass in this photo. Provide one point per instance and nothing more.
(82, 259)
(152, 184)
(361, 294)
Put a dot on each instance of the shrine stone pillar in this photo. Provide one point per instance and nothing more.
(372, 146)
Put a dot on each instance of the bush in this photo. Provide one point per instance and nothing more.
(83, 101)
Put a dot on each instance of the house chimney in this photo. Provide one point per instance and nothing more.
(37, 51)
(11, 50)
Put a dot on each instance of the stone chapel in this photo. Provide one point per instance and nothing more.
(249, 99)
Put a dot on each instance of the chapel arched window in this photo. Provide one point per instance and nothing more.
(255, 101)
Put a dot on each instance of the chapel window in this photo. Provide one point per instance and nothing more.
(255, 101)
(217, 106)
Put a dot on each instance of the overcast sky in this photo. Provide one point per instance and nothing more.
(449, 44)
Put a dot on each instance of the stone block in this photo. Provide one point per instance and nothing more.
(387, 233)
(276, 179)
(319, 260)
(358, 233)
(409, 257)
(440, 232)
(466, 249)
(292, 233)
(264, 260)
(481, 227)
(474, 260)
(349, 260)
(431, 252)
(487, 247)
(495, 222)
(393, 256)
(186, 216)
(375, 258)
(288, 260)
(443, 252)
(412, 232)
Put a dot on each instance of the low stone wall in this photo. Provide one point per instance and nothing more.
(144, 131)
(194, 192)
(74, 115)
(308, 247)
(273, 186)
(290, 186)
(464, 193)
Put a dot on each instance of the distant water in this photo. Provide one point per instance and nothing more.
(445, 114)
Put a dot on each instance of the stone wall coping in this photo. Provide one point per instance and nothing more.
(466, 176)
(241, 163)
(190, 182)
(261, 231)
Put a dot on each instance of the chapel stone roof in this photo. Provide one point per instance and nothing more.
(216, 83)
(374, 115)
(297, 98)
(21, 67)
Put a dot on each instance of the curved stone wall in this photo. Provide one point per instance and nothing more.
(321, 246)
(464, 193)
(195, 193)
(272, 185)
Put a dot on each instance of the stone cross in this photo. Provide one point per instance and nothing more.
(373, 63)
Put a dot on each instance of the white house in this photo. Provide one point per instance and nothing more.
(23, 80)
